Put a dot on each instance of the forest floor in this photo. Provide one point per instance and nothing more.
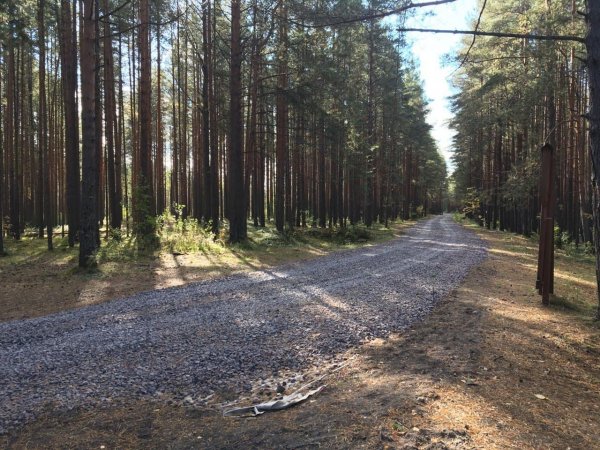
(52, 282)
(489, 368)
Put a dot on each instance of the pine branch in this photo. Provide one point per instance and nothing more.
(474, 37)
(114, 11)
(368, 17)
(538, 37)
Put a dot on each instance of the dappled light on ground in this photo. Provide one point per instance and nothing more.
(234, 338)
(122, 272)
(489, 368)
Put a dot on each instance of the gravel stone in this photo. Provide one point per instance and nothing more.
(185, 343)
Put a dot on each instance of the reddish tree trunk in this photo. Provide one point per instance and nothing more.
(89, 189)
(237, 197)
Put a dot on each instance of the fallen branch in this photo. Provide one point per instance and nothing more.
(285, 402)
(276, 405)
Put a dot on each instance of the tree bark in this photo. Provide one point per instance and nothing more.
(110, 126)
(89, 216)
(281, 127)
(2, 252)
(237, 197)
(206, 213)
(69, 88)
(592, 43)
(214, 142)
(322, 196)
(43, 126)
(160, 145)
(145, 205)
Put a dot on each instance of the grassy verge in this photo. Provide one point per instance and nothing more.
(37, 282)
(574, 277)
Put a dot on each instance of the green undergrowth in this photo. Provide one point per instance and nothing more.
(30, 249)
(188, 237)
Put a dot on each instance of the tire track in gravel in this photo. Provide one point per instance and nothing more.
(187, 342)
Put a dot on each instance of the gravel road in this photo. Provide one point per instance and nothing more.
(182, 344)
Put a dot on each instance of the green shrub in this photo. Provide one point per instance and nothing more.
(588, 248)
(562, 239)
(180, 235)
(471, 204)
(144, 224)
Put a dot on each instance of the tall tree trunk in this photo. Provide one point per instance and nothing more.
(322, 176)
(206, 131)
(282, 118)
(134, 122)
(300, 206)
(120, 168)
(369, 207)
(252, 137)
(11, 130)
(100, 210)
(183, 135)
(237, 197)
(160, 145)
(110, 113)
(145, 205)
(2, 252)
(197, 153)
(68, 58)
(43, 127)
(174, 197)
(214, 141)
(89, 216)
(593, 61)
(261, 155)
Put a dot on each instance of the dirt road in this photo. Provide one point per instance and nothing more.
(237, 334)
